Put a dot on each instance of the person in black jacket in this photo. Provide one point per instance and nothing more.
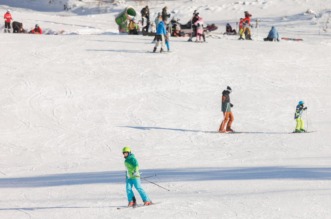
(165, 14)
(145, 15)
(18, 27)
(226, 109)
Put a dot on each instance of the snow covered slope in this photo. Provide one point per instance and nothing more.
(69, 103)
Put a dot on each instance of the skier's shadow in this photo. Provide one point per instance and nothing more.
(147, 128)
(116, 50)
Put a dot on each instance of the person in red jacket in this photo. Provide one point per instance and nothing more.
(36, 30)
(244, 27)
(247, 18)
(8, 19)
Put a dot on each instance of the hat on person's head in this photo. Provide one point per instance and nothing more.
(228, 88)
(36, 26)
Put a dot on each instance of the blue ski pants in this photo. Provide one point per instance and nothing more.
(137, 184)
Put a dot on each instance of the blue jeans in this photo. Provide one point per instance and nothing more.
(136, 183)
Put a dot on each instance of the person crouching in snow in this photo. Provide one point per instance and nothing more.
(226, 109)
(273, 35)
(36, 30)
(133, 178)
(160, 35)
(300, 127)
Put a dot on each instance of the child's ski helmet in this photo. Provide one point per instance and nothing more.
(301, 102)
(126, 150)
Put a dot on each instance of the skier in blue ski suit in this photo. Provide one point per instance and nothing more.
(133, 178)
(273, 35)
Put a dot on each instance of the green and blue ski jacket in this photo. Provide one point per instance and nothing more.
(132, 167)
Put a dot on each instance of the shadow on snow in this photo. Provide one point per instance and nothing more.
(147, 128)
(171, 175)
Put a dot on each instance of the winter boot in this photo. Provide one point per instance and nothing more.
(161, 50)
(147, 203)
(302, 130)
(228, 129)
(297, 131)
(154, 50)
(133, 203)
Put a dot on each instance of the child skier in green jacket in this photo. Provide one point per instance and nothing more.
(133, 178)
(300, 127)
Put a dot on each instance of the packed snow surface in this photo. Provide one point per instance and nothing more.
(69, 103)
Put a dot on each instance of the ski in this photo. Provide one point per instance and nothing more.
(301, 132)
(135, 206)
(291, 39)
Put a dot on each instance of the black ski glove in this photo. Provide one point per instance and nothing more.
(231, 104)
(305, 108)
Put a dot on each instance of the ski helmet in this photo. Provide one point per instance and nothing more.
(126, 150)
(301, 102)
(8, 10)
(228, 88)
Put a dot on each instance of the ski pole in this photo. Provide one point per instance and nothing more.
(149, 176)
(144, 178)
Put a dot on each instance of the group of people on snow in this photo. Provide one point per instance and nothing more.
(132, 166)
(17, 26)
(228, 118)
(196, 26)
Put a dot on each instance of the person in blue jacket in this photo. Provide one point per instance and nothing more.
(160, 35)
(273, 35)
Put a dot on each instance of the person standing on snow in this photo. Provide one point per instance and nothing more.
(145, 15)
(199, 30)
(300, 127)
(8, 18)
(194, 19)
(244, 27)
(165, 14)
(160, 35)
(133, 179)
(226, 109)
